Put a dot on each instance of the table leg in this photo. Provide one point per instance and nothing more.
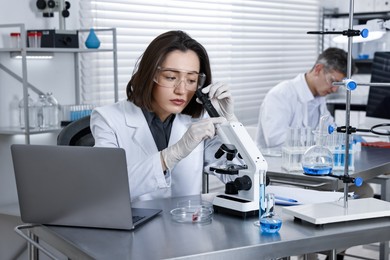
(384, 181)
(32, 250)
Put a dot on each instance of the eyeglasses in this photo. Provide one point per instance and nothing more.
(329, 78)
(172, 78)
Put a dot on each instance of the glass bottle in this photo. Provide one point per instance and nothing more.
(32, 114)
(270, 222)
(318, 159)
(42, 107)
(53, 110)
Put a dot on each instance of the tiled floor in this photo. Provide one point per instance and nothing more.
(363, 252)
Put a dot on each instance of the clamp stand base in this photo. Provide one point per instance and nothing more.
(332, 212)
(236, 206)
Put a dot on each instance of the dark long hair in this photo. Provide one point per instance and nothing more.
(139, 89)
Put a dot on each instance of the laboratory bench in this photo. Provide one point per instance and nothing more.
(225, 237)
(232, 237)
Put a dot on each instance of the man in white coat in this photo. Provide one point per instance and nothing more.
(300, 102)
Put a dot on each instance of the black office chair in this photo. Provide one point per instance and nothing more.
(77, 133)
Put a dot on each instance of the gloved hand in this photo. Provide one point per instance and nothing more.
(221, 99)
(191, 139)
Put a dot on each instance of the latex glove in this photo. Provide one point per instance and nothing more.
(197, 132)
(222, 100)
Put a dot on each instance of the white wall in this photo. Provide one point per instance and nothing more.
(360, 6)
(55, 75)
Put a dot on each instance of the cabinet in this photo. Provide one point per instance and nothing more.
(76, 52)
(333, 21)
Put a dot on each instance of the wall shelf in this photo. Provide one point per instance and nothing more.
(24, 51)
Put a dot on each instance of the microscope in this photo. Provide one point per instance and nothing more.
(57, 38)
(48, 7)
(245, 195)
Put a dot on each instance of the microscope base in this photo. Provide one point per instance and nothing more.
(235, 206)
(332, 212)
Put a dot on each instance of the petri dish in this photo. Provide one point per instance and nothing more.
(193, 212)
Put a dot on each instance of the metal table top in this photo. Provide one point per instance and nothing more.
(226, 237)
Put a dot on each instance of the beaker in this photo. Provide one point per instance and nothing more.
(318, 159)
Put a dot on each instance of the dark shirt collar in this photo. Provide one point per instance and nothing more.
(161, 131)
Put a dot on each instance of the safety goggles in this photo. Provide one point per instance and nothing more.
(172, 78)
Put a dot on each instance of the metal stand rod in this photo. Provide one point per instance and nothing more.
(348, 104)
(373, 84)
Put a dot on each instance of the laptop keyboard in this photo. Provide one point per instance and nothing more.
(137, 218)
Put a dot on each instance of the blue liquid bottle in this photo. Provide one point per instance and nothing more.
(92, 41)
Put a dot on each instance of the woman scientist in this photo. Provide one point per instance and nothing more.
(167, 136)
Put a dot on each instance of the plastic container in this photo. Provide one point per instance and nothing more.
(34, 39)
(16, 41)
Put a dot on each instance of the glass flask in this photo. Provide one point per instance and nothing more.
(318, 159)
(53, 110)
(270, 222)
(32, 114)
(42, 107)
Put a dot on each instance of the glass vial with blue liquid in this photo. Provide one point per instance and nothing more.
(318, 159)
(270, 222)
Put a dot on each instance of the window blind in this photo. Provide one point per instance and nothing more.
(252, 45)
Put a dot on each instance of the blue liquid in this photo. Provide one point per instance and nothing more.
(262, 205)
(317, 170)
(269, 225)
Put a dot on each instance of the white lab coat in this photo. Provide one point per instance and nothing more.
(284, 106)
(123, 125)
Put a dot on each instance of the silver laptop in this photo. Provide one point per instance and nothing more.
(75, 186)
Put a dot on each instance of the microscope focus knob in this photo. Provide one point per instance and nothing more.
(243, 183)
(65, 13)
(230, 188)
(51, 3)
(41, 4)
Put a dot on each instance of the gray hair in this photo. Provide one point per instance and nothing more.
(335, 59)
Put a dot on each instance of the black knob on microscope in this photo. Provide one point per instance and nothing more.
(51, 3)
(243, 183)
(41, 4)
(230, 188)
(65, 13)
